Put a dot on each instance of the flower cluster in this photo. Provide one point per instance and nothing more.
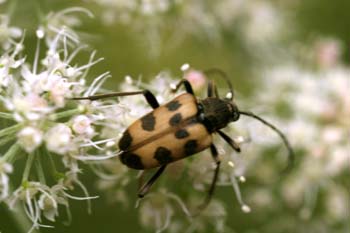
(44, 126)
(312, 104)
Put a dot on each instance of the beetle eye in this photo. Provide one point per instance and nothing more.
(235, 115)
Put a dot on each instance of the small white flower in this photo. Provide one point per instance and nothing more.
(30, 138)
(59, 139)
(32, 106)
(82, 125)
(7, 63)
(5, 169)
(7, 32)
(48, 205)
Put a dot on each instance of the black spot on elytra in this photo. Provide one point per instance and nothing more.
(131, 160)
(176, 119)
(125, 141)
(190, 147)
(163, 155)
(148, 122)
(182, 133)
(173, 105)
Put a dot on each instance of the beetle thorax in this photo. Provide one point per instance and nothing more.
(216, 113)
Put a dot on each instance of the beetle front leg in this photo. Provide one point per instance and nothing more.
(187, 85)
(214, 153)
(146, 187)
(150, 98)
(230, 141)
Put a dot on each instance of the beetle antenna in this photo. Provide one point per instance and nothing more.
(223, 75)
(291, 155)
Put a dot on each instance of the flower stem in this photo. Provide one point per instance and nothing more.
(28, 166)
(11, 152)
(7, 139)
(40, 170)
(6, 115)
(63, 114)
(18, 216)
(10, 130)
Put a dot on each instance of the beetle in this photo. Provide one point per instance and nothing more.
(181, 128)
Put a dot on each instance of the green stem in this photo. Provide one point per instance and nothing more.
(11, 153)
(40, 170)
(63, 114)
(23, 224)
(10, 130)
(18, 215)
(6, 115)
(7, 139)
(55, 174)
(28, 166)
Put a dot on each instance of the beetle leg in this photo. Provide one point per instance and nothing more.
(150, 98)
(141, 177)
(230, 141)
(212, 89)
(187, 85)
(214, 153)
(146, 187)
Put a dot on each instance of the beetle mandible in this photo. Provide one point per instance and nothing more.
(181, 128)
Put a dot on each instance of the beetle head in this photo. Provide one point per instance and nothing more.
(233, 109)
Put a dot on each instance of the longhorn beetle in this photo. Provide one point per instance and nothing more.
(181, 128)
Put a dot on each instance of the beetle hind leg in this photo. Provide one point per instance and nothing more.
(146, 187)
(215, 155)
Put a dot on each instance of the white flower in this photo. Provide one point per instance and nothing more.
(7, 63)
(5, 169)
(82, 125)
(30, 138)
(31, 107)
(7, 32)
(49, 206)
(63, 22)
(59, 139)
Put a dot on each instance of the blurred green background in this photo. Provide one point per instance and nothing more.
(126, 52)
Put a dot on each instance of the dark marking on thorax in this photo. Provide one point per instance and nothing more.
(214, 113)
